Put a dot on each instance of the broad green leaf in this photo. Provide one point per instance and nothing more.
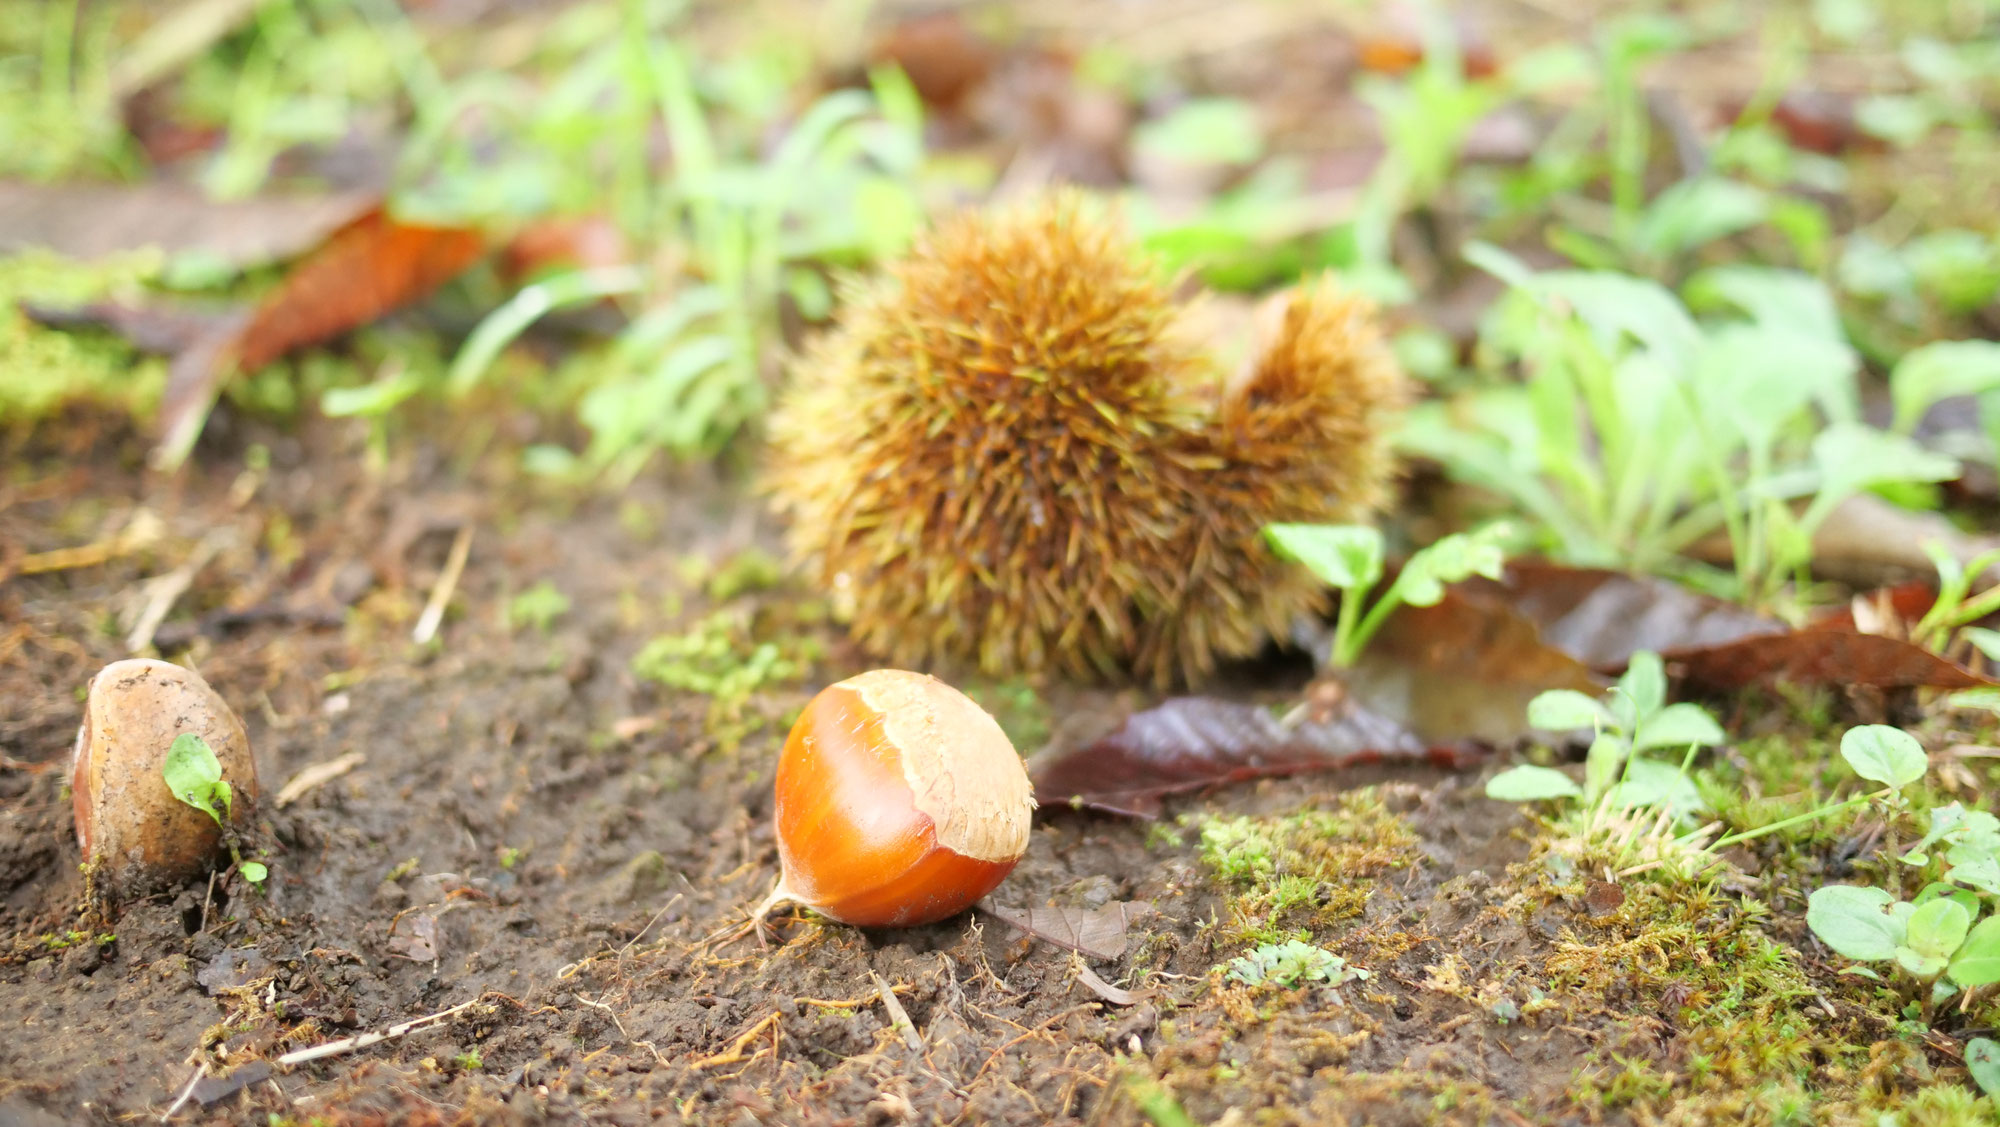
(1562, 710)
(1347, 556)
(1790, 300)
(1454, 558)
(1986, 698)
(1616, 306)
(1601, 764)
(1884, 754)
(1977, 962)
(1679, 725)
(1852, 457)
(1660, 786)
(1937, 928)
(1529, 783)
(253, 871)
(1982, 1060)
(1944, 820)
(194, 774)
(1920, 965)
(1852, 920)
(1982, 873)
(1985, 641)
(1694, 213)
(1203, 131)
(1645, 683)
(1941, 370)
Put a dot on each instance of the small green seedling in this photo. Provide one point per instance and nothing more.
(1956, 606)
(538, 607)
(1350, 557)
(194, 774)
(1931, 939)
(1291, 963)
(1970, 841)
(1634, 719)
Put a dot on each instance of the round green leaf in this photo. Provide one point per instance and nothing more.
(1852, 920)
(1560, 710)
(1982, 1059)
(1884, 754)
(1528, 783)
(1936, 928)
(1977, 962)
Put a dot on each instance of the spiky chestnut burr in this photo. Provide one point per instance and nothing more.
(1010, 453)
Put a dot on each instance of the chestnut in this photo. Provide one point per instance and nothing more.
(133, 831)
(899, 802)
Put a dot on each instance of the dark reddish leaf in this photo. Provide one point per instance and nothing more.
(1602, 617)
(569, 243)
(1097, 933)
(1821, 657)
(1461, 670)
(1819, 121)
(162, 329)
(1190, 743)
(945, 59)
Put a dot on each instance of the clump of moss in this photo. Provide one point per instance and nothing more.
(1012, 453)
(1315, 867)
(43, 369)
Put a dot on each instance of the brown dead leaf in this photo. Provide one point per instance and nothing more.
(945, 59)
(372, 266)
(1093, 933)
(1604, 617)
(1821, 657)
(1461, 671)
(1116, 995)
(414, 936)
(88, 221)
(1192, 743)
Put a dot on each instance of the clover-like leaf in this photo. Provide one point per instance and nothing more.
(1884, 754)
(1856, 921)
(1457, 557)
(1936, 928)
(1982, 1060)
(1679, 725)
(1561, 710)
(1529, 783)
(1977, 960)
(1347, 556)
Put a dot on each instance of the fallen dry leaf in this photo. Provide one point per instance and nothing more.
(1455, 671)
(415, 937)
(1116, 995)
(1603, 617)
(372, 266)
(1191, 743)
(1097, 933)
(88, 221)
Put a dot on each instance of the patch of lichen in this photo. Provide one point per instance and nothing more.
(1289, 876)
(42, 370)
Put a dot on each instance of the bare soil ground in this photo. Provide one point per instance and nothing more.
(508, 846)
